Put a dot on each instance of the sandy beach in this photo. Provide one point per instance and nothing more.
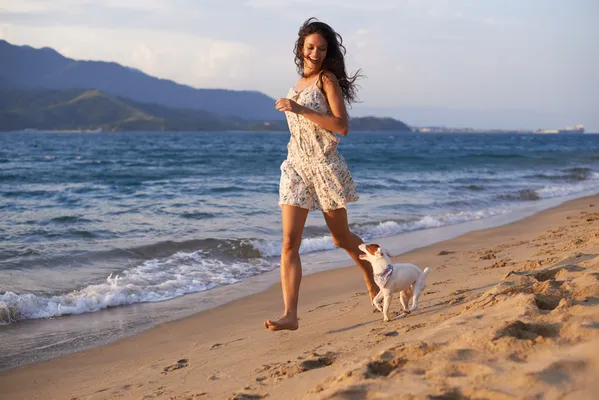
(509, 312)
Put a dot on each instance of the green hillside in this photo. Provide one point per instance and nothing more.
(73, 109)
(89, 109)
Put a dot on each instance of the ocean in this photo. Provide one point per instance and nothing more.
(106, 234)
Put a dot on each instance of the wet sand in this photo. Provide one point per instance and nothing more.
(509, 312)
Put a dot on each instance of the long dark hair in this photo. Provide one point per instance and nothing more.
(334, 60)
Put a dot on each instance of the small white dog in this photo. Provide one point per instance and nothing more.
(408, 279)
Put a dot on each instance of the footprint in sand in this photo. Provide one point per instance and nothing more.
(317, 361)
(289, 369)
(387, 362)
(449, 395)
(523, 331)
(397, 357)
(487, 255)
(463, 355)
(246, 396)
(415, 326)
(547, 302)
(560, 371)
(555, 273)
(180, 364)
(352, 392)
(384, 365)
(192, 396)
(375, 369)
(468, 370)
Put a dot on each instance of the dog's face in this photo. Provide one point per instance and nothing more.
(371, 252)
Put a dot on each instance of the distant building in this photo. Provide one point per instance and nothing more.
(569, 130)
(578, 129)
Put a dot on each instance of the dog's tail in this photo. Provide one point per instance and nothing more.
(422, 278)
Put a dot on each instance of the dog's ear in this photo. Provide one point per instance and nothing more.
(378, 252)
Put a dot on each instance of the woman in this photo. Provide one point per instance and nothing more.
(315, 176)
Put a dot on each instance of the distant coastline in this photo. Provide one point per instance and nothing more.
(58, 94)
(570, 130)
(92, 110)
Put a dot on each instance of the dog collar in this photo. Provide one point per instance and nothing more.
(382, 278)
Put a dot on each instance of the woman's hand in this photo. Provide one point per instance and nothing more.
(337, 122)
(284, 104)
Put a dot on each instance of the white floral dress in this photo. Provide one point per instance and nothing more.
(314, 176)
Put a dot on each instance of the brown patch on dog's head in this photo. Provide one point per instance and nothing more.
(372, 248)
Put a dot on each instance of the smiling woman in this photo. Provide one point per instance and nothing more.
(315, 176)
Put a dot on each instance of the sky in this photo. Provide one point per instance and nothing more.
(460, 63)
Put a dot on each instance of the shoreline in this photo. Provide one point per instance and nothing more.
(225, 348)
(415, 130)
(49, 339)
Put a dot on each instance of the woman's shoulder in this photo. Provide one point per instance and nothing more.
(328, 76)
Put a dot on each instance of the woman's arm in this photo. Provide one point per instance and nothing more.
(338, 122)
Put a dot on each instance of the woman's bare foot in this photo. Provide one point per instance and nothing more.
(286, 322)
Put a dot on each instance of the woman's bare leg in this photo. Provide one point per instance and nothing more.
(293, 219)
(342, 237)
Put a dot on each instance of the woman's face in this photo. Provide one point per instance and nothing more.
(315, 51)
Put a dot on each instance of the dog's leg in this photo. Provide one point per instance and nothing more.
(377, 301)
(403, 299)
(418, 288)
(414, 303)
(386, 303)
(417, 291)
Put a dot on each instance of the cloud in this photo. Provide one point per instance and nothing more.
(30, 6)
(195, 60)
(37, 6)
(379, 5)
(136, 4)
(458, 53)
(143, 55)
(360, 38)
(227, 60)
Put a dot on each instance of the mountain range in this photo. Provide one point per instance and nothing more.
(41, 89)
